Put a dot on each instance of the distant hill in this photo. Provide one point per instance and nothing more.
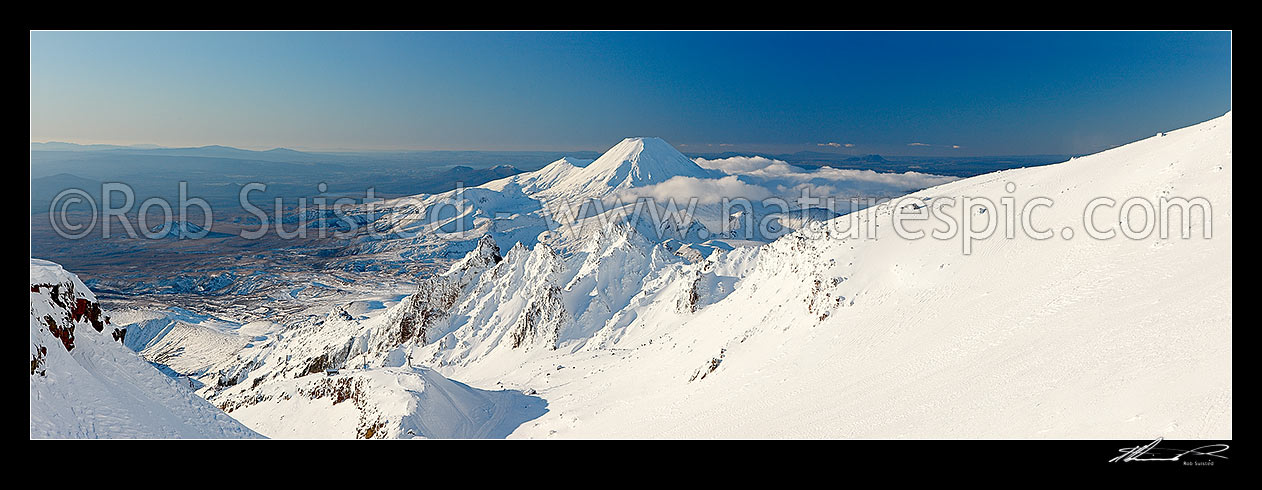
(867, 159)
(282, 155)
(63, 146)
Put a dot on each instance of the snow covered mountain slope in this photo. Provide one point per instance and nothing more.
(525, 207)
(487, 309)
(397, 402)
(548, 176)
(842, 328)
(86, 384)
(634, 162)
(642, 181)
(341, 376)
(891, 337)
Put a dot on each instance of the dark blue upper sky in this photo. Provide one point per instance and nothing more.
(897, 93)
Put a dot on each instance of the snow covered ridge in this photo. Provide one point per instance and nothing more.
(607, 330)
(86, 384)
(63, 302)
(819, 334)
(829, 336)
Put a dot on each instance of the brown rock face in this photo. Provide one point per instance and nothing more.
(90, 310)
(77, 310)
(65, 335)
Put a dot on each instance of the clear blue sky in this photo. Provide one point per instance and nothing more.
(882, 92)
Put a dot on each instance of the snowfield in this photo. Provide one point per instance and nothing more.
(599, 325)
(94, 387)
(894, 338)
(392, 402)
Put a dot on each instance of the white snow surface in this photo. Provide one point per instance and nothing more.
(900, 338)
(101, 389)
(606, 330)
(1022, 338)
(634, 162)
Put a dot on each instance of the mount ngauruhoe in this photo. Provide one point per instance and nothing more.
(635, 162)
(603, 321)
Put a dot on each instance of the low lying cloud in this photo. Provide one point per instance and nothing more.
(768, 186)
(953, 147)
(737, 165)
(836, 145)
(706, 191)
(758, 177)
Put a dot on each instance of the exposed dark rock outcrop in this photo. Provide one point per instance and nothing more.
(541, 319)
(76, 309)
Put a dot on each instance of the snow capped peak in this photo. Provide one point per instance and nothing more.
(182, 230)
(485, 254)
(571, 161)
(634, 162)
(178, 229)
(544, 178)
(643, 140)
(643, 161)
(487, 247)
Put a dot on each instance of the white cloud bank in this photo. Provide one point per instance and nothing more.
(780, 176)
(706, 191)
(757, 178)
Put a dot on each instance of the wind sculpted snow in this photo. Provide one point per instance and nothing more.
(610, 328)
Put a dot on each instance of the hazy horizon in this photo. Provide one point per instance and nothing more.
(707, 149)
(853, 93)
